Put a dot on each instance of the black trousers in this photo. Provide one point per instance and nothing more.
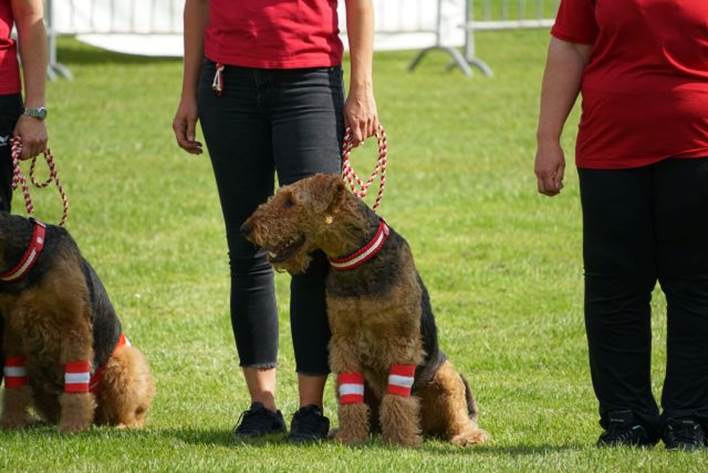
(288, 122)
(642, 226)
(10, 110)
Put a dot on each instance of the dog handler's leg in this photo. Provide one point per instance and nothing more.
(77, 403)
(353, 411)
(400, 412)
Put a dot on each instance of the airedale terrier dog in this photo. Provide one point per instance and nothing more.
(391, 374)
(65, 354)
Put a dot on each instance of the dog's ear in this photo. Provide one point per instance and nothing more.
(328, 192)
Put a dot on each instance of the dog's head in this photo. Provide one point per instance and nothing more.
(296, 220)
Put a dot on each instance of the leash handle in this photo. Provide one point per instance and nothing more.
(358, 187)
(19, 179)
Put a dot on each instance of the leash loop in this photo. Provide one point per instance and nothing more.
(357, 185)
(19, 179)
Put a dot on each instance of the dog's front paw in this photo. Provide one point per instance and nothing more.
(14, 408)
(350, 437)
(77, 412)
(14, 421)
(353, 424)
(404, 439)
(400, 420)
(469, 438)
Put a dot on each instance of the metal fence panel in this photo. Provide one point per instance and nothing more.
(436, 24)
(494, 15)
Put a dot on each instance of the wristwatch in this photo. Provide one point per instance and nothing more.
(39, 113)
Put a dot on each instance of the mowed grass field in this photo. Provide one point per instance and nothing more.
(503, 265)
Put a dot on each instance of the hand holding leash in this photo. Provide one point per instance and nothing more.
(19, 179)
(358, 186)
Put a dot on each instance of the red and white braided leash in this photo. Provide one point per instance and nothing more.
(358, 186)
(19, 179)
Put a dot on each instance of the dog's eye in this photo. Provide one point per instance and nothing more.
(289, 201)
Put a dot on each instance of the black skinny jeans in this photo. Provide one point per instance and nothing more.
(641, 226)
(288, 122)
(10, 110)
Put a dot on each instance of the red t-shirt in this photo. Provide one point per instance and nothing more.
(9, 68)
(645, 88)
(284, 34)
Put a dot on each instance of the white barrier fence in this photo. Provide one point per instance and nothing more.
(495, 15)
(154, 27)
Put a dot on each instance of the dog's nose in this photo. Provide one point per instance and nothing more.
(246, 229)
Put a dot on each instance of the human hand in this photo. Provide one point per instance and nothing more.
(549, 168)
(184, 125)
(32, 132)
(360, 114)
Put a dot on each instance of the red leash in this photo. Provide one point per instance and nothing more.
(358, 186)
(19, 179)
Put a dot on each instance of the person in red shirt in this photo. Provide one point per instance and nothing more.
(18, 120)
(265, 81)
(642, 158)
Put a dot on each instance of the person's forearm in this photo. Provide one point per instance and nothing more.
(561, 85)
(196, 16)
(360, 30)
(32, 39)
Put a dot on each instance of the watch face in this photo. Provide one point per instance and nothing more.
(40, 112)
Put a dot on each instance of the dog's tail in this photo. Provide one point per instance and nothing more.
(472, 408)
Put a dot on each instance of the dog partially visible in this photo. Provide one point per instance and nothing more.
(66, 357)
(391, 374)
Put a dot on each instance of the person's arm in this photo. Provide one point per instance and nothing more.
(32, 39)
(196, 16)
(561, 84)
(360, 107)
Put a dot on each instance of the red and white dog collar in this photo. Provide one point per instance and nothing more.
(364, 254)
(29, 258)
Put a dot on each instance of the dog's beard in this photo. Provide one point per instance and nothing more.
(296, 264)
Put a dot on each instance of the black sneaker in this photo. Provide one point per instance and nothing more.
(683, 434)
(308, 425)
(624, 430)
(257, 421)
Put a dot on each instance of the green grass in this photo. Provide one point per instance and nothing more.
(502, 264)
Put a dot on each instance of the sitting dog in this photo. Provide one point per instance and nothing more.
(391, 374)
(65, 353)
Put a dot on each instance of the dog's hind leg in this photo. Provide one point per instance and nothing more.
(353, 411)
(448, 409)
(126, 390)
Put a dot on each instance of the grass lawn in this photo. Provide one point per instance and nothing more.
(502, 264)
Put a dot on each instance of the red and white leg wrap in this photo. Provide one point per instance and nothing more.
(351, 388)
(400, 379)
(15, 372)
(77, 376)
